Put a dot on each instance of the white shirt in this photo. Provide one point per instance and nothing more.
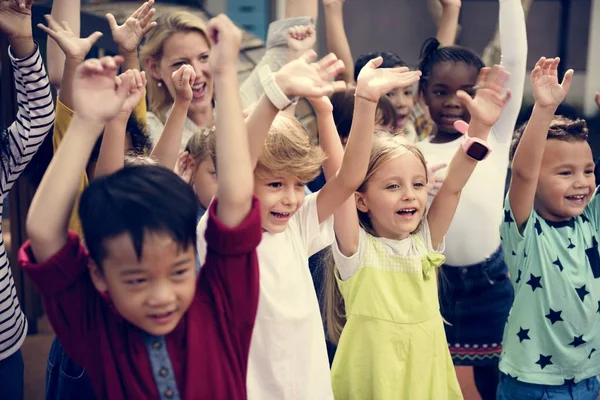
(474, 233)
(288, 357)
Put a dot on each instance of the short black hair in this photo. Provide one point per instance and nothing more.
(390, 60)
(433, 53)
(137, 200)
(140, 141)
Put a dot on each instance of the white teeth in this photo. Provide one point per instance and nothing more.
(200, 86)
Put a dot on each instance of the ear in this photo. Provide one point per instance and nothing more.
(361, 202)
(97, 277)
(152, 67)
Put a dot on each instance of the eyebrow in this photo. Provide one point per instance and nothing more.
(181, 262)
(128, 272)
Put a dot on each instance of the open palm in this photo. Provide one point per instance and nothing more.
(373, 82)
(129, 35)
(301, 79)
(15, 21)
(544, 83)
(71, 44)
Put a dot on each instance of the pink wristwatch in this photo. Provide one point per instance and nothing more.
(475, 148)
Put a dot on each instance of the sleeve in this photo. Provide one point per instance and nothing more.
(347, 266)
(68, 294)
(201, 237)
(141, 110)
(63, 118)
(230, 273)
(314, 236)
(513, 240)
(275, 57)
(154, 127)
(513, 41)
(35, 116)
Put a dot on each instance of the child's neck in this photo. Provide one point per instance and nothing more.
(445, 137)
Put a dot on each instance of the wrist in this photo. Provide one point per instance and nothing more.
(546, 109)
(225, 72)
(181, 103)
(360, 96)
(22, 46)
(92, 127)
(478, 129)
(127, 54)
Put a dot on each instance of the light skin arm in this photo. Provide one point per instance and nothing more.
(235, 174)
(112, 149)
(598, 99)
(75, 50)
(448, 22)
(337, 41)
(97, 102)
(485, 109)
(548, 94)
(372, 83)
(166, 150)
(301, 8)
(62, 10)
(15, 21)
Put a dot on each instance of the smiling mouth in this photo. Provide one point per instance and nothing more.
(407, 211)
(578, 198)
(199, 90)
(277, 215)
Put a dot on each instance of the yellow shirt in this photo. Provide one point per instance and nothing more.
(61, 123)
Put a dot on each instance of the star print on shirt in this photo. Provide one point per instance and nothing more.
(582, 292)
(591, 352)
(584, 218)
(538, 226)
(598, 310)
(523, 334)
(519, 272)
(513, 253)
(594, 257)
(577, 341)
(571, 245)
(554, 316)
(534, 282)
(544, 361)
(570, 382)
(558, 264)
(507, 217)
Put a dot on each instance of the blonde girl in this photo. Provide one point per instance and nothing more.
(387, 246)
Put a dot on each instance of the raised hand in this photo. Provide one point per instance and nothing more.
(15, 18)
(301, 38)
(183, 80)
(226, 39)
(136, 81)
(547, 91)
(321, 105)
(72, 45)
(372, 82)
(302, 79)
(129, 35)
(97, 93)
(491, 96)
(434, 182)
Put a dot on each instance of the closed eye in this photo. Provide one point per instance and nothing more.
(181, 272)
(135, 282)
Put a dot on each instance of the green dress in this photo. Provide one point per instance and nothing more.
(393, 345)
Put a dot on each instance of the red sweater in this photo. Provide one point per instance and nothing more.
(208, 348)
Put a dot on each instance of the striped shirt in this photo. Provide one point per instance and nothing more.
(35, 116)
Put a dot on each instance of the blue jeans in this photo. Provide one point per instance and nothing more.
(11, 377)
(512, 389)
(65, 379)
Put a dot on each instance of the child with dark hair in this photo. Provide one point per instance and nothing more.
(477, 286)
(18, 144)
(131, 309)
(549, 237)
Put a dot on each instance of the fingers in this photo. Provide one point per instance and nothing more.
(482, 77)
(112, 22)
(464, 98)
(436, 168)
(309, 56)
(567, 79)
(147, 17)
(461, 126)
(375, 63)
(93, 38)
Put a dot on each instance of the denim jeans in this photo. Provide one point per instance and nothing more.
(512, 389)
(11, 377)
(65, 379)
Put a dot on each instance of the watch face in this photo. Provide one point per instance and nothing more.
(477, 151)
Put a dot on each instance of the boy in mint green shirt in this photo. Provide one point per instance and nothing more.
(550, 241)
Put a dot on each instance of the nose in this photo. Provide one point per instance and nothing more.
(161, 295)
(452, 101)
(403, 100)
(408, 194)
(290, 197)
(200, 68)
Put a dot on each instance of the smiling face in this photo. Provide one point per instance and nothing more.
(205, 181)
(396, 197)
(404, 102)
(566, 181)
(280, 197)
(440, 93)
(154, 292)
(192, 48)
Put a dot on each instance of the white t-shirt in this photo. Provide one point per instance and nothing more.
(288, 357)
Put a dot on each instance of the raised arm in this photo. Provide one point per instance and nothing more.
(112, 150)
(68, 11)
(513, 41)
(97, 100)
(448, 22)
(371, 85)
(35, 110)
(298, 78)
(485, 109)
(337, 41)
(167, 147)
(548, 94)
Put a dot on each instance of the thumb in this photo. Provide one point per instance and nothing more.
(461, 126)
(93, 38)
(375, 63)
(566, 82)
(112, 22)
(464, 98)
